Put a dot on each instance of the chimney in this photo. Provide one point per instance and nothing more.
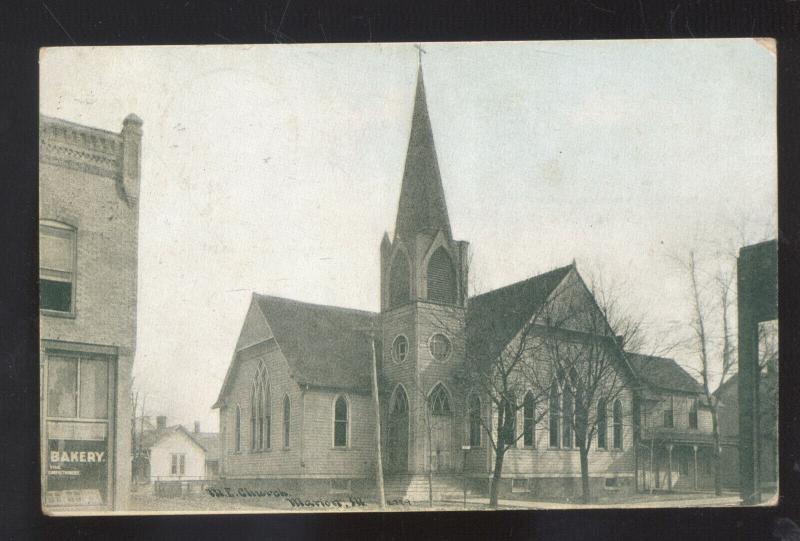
(197, 427)
(131, 158)
(161, 421)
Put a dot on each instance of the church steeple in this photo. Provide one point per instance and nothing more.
(422, 207)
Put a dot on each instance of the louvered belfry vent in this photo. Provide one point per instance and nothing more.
(400, 283)
(441, 278)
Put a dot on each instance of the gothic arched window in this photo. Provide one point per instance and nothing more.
(617, 419)
(440, 403)
(510, 419)
(555, 416)
(568, 416)
(287, 420)
(253, 419)
(237, 434)
(399, 281)
(400, 404)
(528, 419)
(260, 411)
(441, 278)
(602, 424)
(474, 421)
(340, 420)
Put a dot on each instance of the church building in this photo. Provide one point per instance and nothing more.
(296, 407)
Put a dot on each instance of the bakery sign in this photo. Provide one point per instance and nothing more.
(77, 472)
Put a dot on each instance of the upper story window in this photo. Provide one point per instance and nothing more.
(440, 346)
(441, 278)
(669, 405)
(57, 255)
(693, 413)
(399, 281)
(400, 349)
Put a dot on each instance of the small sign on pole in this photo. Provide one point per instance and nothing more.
(465, 448)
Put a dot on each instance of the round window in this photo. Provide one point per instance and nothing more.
(400, 348)
(440, 346)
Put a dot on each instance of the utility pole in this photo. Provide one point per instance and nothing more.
(376, 402)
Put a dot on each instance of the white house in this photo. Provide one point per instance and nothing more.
(174, 454)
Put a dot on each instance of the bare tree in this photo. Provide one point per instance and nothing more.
(505, 379)
(586, 334)
(711, 300)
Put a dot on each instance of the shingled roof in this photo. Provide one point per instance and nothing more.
(325, 346)
(663, 373)
(422, 206)
(151, 437)
(208, 441)
(494, 318)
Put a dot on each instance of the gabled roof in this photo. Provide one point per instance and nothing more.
(151, 438)
(208, 441)
(731, 382)
(422, 206)
(494, 318)
(663, 373)
(326, 346)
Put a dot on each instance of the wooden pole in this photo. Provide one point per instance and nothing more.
(376, 402)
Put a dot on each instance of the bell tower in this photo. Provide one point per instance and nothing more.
(423, 302)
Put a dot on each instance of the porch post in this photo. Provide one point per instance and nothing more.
(694, 448)
(658, 472)
(669, 467)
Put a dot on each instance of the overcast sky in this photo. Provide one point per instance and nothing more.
(277, 169)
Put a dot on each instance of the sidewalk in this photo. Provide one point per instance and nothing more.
(645, 501)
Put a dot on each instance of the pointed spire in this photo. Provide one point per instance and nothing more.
(422, 205)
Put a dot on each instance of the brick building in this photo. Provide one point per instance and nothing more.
(88, 229)
(296, 410)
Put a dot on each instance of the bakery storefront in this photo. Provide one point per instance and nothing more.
(78, 412)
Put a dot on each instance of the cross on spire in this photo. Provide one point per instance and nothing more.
(422, 207)
(420, 52)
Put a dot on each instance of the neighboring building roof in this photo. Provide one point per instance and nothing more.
(663, 373)
(422, 206)
(494, 318)
(151, 438)
(208, 441)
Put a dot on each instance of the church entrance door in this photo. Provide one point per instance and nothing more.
(397, 444)
(440, 417)
(441, 451)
